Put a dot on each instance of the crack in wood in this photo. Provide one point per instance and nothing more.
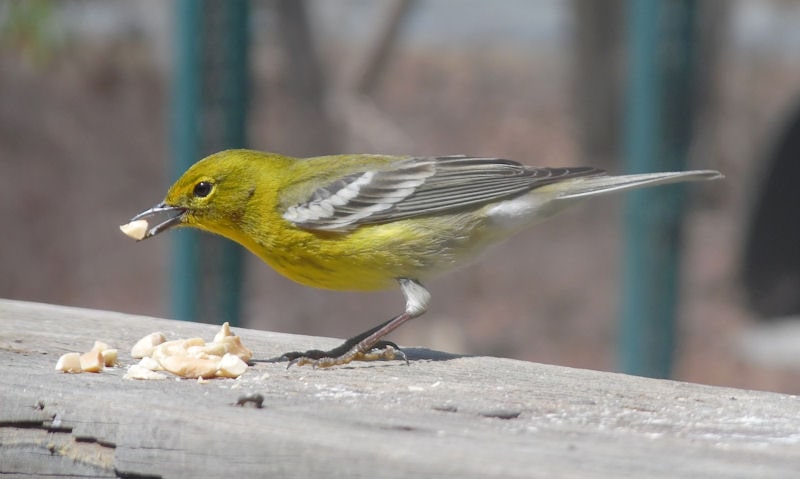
(135, 475)
(34, 424)
(34, 437)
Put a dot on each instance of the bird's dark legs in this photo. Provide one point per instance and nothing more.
(368, 345)
(344, 347)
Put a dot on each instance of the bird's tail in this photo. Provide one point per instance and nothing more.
(596, 185)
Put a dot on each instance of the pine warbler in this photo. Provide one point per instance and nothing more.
(369, 222)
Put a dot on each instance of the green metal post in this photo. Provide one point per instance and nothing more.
(657, 137)
(209, 114)
(234, 105)
(185, 127)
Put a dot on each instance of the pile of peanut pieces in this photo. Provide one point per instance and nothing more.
(224, 357)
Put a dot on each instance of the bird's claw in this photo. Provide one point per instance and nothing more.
(325, 359)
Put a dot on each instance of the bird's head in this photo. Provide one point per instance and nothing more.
(212, 195)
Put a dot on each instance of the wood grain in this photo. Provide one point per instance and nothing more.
(442, 416)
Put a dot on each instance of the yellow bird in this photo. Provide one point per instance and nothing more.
(370, 222)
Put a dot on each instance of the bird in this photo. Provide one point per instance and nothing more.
(365, 222)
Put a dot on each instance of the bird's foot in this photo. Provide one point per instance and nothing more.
(382, 351)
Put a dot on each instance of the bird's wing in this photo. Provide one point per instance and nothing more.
(420, 186)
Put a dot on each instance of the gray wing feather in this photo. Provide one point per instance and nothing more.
(420, 186)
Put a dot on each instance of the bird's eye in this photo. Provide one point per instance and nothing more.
(202, 189)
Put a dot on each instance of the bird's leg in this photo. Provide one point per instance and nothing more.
(368, 345)
(344, 347)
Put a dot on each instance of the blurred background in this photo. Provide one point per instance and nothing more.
(87, 138)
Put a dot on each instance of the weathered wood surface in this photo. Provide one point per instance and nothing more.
(442, 416)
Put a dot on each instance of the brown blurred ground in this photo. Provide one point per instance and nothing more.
(83, 146)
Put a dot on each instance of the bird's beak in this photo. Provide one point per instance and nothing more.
(139, 226)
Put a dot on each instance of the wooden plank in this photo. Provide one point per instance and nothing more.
(442, 416)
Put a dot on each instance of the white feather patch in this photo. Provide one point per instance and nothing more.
(524, 210)
(325, 208)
